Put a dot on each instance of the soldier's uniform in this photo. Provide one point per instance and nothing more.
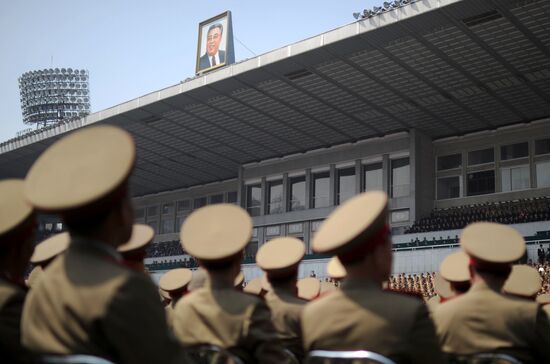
(218, 314)
(87, 301)
(361, 316)
(279, 259)
(485, 320)
(16, 227)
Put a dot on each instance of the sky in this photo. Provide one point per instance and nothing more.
(134, 47)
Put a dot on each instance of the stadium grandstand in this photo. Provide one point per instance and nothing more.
(443, 104)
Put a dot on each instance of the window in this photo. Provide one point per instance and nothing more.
(449, 162)
(481, 183)
(216, 198)
(232, 197)
(275, 197)
(253, 199)
(179, 222)
(294, 229)
(153, 224)
(139, 213)
(448, 187)
(152, 211)
(167, 208)
(183, 206)
(542, 146)
(543, 174)
(346, 184)
(400, 215)
(297, 193)
(515, 178)
(199, 202)
(250, 250)
(513, 151)
(481, 156)
(167, 226)
(372, 174)
(273, 230)
(400, 177)
(320, 189)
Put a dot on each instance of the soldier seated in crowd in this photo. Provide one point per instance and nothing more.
(484, 319)
(279, 259)
(87, 301)
(218, 314)
(361, 316)
(17, 227)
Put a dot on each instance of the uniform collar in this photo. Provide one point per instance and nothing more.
(220, 284)
(96, 245)
(360, 283)
(486, 286)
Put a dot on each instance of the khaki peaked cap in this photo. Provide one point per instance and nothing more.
(216, 232)
(175, 279)
(14, 209)
(142, 235)
(308, 288)
(455, 267)
(351, 223)
(239, 280)
(492, 243)
(34, 276)
(254, 286)
(335, 269)
(523, 281)
(81, 169)
(280, 255)
(50, 248)
(442, 287)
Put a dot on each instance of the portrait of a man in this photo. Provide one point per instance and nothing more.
(213, 41)
(214, 55)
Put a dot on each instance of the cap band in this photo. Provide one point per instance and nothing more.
(366, 247)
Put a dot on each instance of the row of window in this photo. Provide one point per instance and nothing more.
(172, 214)
(483, 182)
(487, 155)
(345, 181)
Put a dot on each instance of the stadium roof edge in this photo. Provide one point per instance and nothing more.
(439, 72)
(342, 32)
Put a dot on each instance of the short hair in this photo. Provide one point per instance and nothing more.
(214, 26)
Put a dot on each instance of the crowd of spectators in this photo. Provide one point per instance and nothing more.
(423, 284)
(164, 249)
(507, 212)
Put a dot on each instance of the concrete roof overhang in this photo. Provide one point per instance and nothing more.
(442, 67)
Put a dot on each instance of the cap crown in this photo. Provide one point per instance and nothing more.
(353, 221)
(216, 232)
(492, 242)
(80, 168)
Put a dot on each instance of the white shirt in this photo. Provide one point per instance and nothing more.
(216, 56)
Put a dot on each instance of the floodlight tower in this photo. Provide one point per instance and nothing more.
(53, 95)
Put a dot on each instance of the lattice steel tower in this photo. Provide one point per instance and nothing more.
(53, 95)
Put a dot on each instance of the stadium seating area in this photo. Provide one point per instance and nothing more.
(507, 212)
(423, 284)
(165, 249)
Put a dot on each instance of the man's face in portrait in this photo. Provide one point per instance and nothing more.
(213, 40)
